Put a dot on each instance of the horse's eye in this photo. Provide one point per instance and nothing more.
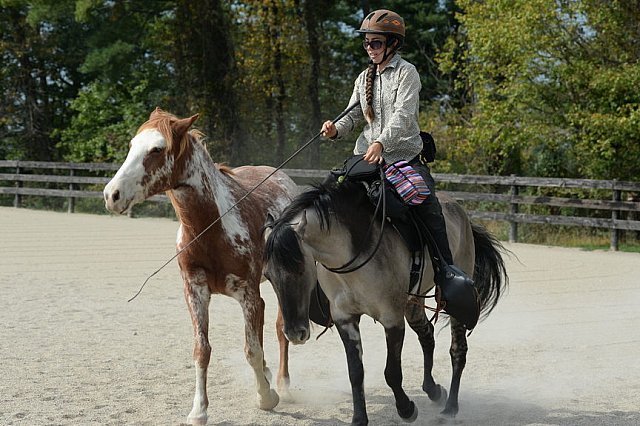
(155, 150)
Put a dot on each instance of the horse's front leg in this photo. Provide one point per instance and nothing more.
(197, 296)
(393, 372)
(458, 352)
(349, 331)
(283, 369)
(253, 311)
(419, 323)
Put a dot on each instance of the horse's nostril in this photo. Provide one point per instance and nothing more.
(116, 195)
(303, 334)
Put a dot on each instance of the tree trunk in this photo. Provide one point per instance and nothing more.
(205, 64)
(311, 13)
(366, 7)
(280, 89)
(34, 104)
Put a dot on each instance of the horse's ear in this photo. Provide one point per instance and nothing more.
(268, 226)
(301, 225)
(268, 223)
(155, 112)
(180, 127)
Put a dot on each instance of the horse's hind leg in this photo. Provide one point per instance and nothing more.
(197, 296)
(419, 323)
(253, 310)
(393, 373)
(458, 352)
(283, 369)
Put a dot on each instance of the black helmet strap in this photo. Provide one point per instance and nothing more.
(390, 38)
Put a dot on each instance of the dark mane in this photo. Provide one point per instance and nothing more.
(346, 202)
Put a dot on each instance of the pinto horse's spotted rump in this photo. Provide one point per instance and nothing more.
(167, 156)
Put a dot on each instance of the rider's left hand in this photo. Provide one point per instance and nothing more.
(374, 153)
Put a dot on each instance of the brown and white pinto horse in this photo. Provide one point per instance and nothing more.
(166, 156)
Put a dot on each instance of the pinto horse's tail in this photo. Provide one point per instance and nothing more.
(490, 275)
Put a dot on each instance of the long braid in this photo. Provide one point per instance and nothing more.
(371, 73)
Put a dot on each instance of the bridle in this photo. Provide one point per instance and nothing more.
(346, 268)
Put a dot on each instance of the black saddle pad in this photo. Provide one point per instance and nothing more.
(411, 236)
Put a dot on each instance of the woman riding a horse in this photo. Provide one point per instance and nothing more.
(391, 133)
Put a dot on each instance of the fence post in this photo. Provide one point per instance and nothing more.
(17, 200)
(615, 233)
(513, 231)
(72, 201)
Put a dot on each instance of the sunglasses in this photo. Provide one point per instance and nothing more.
(373, 44)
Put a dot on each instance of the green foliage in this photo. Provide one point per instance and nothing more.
(509, 87)
(105, 121)
(554, 86)
(41, 50)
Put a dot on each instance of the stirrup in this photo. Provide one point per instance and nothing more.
(460, 295)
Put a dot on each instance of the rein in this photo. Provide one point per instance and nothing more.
(292, 156)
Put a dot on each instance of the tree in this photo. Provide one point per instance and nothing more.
(125, 77)
(203, 54)
(41, 49)
(428, 26)
(552, 88)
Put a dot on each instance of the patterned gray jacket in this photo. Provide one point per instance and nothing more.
(395, 104)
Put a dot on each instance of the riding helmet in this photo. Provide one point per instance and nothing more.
(383, 21)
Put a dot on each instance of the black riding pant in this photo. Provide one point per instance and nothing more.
(430, 212)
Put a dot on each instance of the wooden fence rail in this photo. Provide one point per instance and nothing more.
(509, 193)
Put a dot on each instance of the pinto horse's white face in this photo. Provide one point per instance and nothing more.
(145, 164)
(148, 168)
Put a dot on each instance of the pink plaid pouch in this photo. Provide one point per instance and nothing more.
(407, 182)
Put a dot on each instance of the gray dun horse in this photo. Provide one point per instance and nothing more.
(166, 156)
(330, 224)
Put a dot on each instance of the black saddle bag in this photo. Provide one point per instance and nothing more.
(428, 153)
(356, 169)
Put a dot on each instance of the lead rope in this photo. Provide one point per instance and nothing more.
(292, 156)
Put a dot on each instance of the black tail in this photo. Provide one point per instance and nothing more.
(490, 274)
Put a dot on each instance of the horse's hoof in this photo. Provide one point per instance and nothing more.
(359, 421)
(413, 416)
(283, 387)
(285, 394)
(268, 402)
(449, 411)
(198, 420)
(439, 395)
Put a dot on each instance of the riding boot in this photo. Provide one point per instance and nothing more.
(430, 212)
(457, 288)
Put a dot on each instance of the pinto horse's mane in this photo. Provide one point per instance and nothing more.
(162, 120)
(346, 203)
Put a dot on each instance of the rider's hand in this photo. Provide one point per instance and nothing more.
(329, 129)
(374, 153)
